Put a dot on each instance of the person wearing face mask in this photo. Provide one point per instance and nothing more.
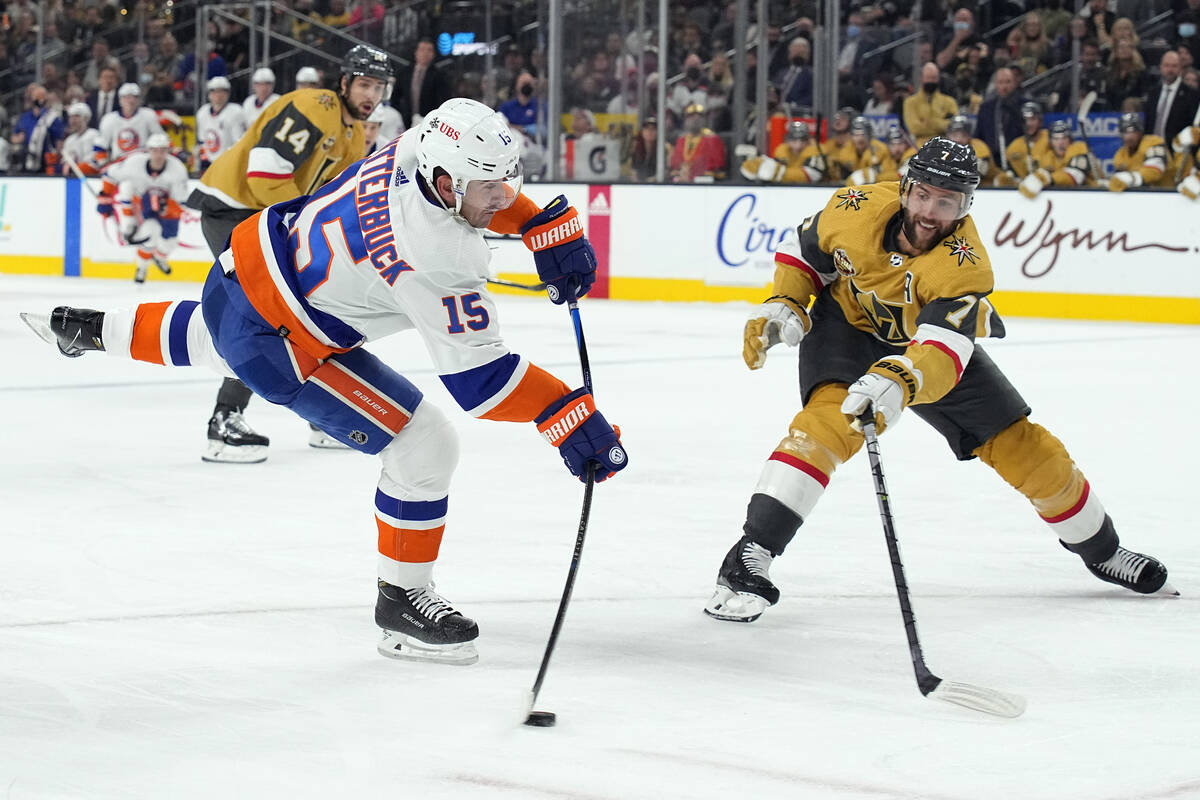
(523, 109)
(699, 154)
(927, 112)
(795, 83)
(40, 129)
(1187, 25)
(956, 40)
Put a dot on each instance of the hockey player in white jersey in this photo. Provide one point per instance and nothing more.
(126, 129)
(80, 145)
(393, 243)
(262, 94)
(219, 123)
(150, 189)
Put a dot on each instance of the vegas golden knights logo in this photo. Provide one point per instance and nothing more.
(886, 318)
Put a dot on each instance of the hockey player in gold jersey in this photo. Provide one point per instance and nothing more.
(959, 130)
(797, 159)
(900, 150)
(874, 159)
(901, 280)
(293, 148)
(1142, 160)
(1025, 155)
(1189, 161)
(1065, 163)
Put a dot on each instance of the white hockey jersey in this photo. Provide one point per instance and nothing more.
(369, 255)
(216, 133)
(120, 135)
(81, 148)
(391, 127)
(159, 193)
(251, 108)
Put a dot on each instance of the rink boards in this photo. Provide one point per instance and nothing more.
(1070, 255)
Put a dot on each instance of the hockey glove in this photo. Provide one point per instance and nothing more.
(1189, 187)
(1120, 181)
(770, 170)
(565, 260)
(886, 389)
(582, 435)
(1033, 183)
(779, 319)
(1185, 139)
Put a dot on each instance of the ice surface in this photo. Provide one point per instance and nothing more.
(176, 629)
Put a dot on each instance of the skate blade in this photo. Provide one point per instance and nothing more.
(1166, 590)
(732, 606)
(396, 645)
(163, 267)
(40, 324)
(323, 441)
(221, 453)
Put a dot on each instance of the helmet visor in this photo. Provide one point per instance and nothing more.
(935, 203)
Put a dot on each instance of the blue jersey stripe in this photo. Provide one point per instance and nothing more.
(475, 386)
(411, 510)
(177, 333)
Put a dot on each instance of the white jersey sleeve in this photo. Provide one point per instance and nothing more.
(120, 135)
(217, 133)
(81, 147)
(251, 108)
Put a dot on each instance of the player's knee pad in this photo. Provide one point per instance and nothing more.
(418, 463)
(820, 434)
(1036, 464)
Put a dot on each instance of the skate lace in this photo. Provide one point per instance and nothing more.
(757, 559)
(429, 603)
(236, 423)
(1124, 565)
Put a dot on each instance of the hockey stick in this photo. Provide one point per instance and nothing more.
(989, 701)
(1085, 108)
(529, 287)
(546, 719)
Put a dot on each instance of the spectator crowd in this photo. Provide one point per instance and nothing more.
(905, 72)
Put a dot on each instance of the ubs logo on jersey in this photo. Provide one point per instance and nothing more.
(852, 199)
(842, 262)
(886, 318)
(127, 140)
(960, 247)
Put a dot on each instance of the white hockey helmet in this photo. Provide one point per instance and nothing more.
(158, 140)
(129, 90)
(79, 110)
(473, 145)
(219, 82)
(307, 75)
(376, 115)
(263, 75)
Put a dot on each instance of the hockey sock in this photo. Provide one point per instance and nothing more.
(171, 333)
(234, 395)
(410, 534)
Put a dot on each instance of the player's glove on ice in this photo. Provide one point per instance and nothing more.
(779, 319)
(582, 435)
(886, 389)
(564, 257)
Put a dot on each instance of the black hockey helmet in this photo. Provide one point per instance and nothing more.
(797, 131)
(1131, 121)
(1060, 127)
(959, 123)
(370, 62)
(946, 165)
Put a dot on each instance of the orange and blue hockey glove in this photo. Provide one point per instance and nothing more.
(564, 257)
(582, 435)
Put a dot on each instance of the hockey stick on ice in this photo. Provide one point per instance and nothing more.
(989, 701)
(529, 287)
(543, 719)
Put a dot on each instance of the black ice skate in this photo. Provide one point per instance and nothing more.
(74, 330)
(1137, 572)
(744, 589)
(421, 625)
(161, 263)
(232, 441)
(140, 270)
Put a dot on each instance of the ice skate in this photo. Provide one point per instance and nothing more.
(1137, 572)
(744, 589)
(161, 263)
(232, 441)
(139, 274)
(74, 331)
(420, 625)
(323, 441)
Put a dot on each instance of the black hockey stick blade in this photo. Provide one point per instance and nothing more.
(977, 698)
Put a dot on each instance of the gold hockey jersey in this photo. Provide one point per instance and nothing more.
(930, 307)
(1151, 160)
(1073, 169)
(297, 144)
(874, 163)
(1024, 156)
(807, 166)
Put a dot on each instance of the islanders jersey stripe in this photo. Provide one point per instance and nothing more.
(415, 514)
(160, 332)
(410, 532)
(508, 389)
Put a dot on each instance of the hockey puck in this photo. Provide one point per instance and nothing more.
(541, 719)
